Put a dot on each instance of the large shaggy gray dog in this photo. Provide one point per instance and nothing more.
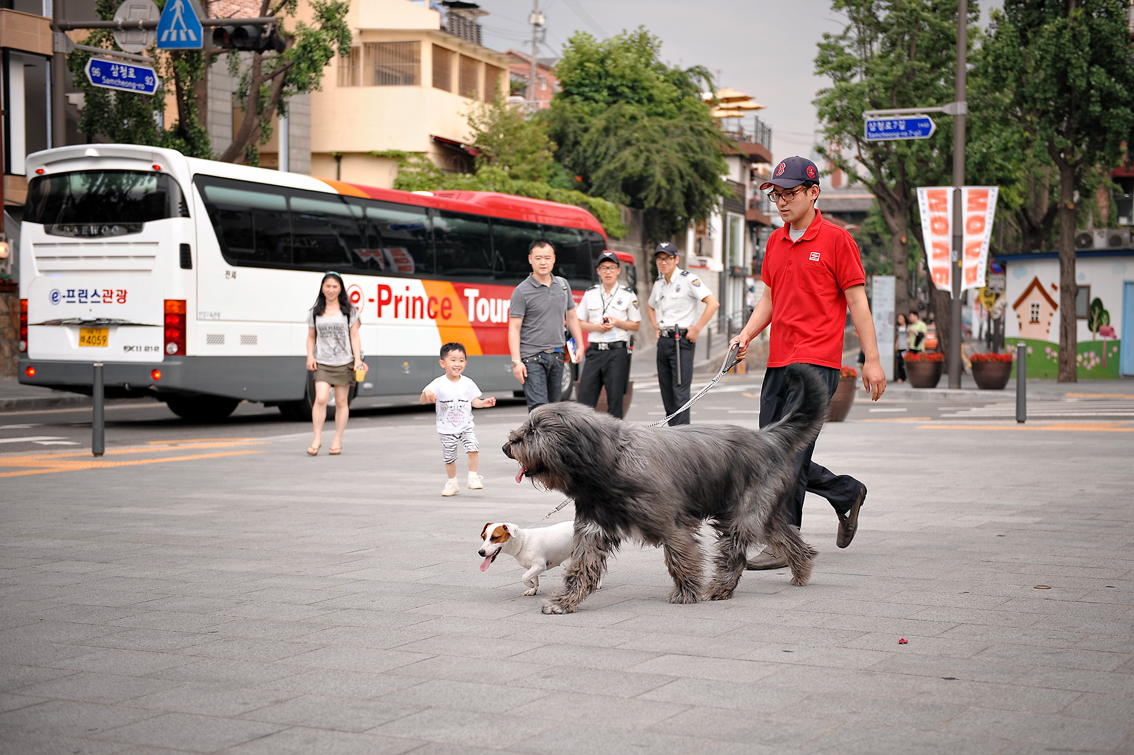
(657, 486)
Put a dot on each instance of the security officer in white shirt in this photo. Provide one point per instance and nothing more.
(609, 312)
(673, 313)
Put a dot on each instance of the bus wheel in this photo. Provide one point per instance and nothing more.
(569, 377)
(202, 408)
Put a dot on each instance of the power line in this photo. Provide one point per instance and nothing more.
(576, 6)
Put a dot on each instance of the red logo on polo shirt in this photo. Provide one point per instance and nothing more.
(811, 172)
(781, 168)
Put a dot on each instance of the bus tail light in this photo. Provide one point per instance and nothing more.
(24, 327)
(155, 375)
(174, 326)
(29, 371)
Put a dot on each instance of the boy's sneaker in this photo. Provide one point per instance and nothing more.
(475, 481)
(451, 487)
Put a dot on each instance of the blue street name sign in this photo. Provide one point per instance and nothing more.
(125, 77)
(179, 28)
(906, 127)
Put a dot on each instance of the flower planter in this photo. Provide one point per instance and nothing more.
(990, 376)
(842, 401)
(924, 374)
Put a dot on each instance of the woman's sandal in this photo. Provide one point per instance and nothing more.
(314, 449)
(335, 451)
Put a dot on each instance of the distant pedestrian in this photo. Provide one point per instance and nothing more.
(901, 344)
(456, 396)
(916, 333)
(673, 313)
(610, 313)
(540, 308)
(813, 275)
(334, 353)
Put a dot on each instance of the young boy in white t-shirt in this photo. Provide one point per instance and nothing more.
(456, 396)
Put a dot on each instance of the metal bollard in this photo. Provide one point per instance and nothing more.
(1021, 383)
(98, 420)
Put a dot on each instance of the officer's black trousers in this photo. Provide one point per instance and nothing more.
(674, 394)
(777, 400)
(608, 369)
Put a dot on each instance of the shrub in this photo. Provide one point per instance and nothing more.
(992, 356)
(924, 356)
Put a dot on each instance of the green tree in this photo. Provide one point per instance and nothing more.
(637, 131)
(508, 140)
(1065, 68)
(265, 86)
(416, 172)
(892, 54)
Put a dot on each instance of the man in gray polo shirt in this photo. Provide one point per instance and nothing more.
(536, 315)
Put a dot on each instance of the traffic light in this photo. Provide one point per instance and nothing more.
(249, 38)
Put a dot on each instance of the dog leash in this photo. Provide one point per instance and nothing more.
(730, 361)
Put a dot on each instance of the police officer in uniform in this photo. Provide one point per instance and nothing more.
(673, 313)
(609, 312)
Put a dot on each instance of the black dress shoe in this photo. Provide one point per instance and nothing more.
(848, 523)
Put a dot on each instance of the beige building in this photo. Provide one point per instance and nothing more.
(408, 85)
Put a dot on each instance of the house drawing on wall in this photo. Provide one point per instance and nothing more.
(1034, 310)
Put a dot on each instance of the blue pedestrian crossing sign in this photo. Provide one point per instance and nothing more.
(124, 77)
(179, 27)
(901, 127)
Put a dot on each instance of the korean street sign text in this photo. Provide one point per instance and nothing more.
(904, 127)
(124, 77)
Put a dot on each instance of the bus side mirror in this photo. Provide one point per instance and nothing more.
(632, 277)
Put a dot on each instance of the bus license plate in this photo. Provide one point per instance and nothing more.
(94, 337)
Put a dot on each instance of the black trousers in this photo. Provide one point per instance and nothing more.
(609, 368)
(777, 399)
(675, 394)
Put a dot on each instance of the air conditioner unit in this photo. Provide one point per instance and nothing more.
(1104, 238)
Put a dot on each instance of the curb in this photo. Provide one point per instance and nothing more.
(76, 401)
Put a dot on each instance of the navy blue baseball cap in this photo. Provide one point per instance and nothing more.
(666, 248)
(791, 173)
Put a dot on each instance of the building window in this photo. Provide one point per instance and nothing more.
(1035, 312)
(1083, 303)
(391, 64)
(492, 77)
(470, 70)
(350, 68)
(442, 68)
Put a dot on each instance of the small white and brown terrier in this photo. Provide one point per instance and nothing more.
(537, 549)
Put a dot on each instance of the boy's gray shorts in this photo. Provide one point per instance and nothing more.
(449, 444)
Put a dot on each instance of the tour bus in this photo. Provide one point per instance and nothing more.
(191, 280)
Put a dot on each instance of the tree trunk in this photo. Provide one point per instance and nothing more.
(900, 254)
(1068, 212)
(939, 304)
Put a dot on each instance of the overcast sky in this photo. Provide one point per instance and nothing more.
(764, 48)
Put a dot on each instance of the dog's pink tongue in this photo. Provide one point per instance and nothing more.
(520, 475)
(487, 563)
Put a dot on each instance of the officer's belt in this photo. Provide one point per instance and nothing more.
(606, 345)
(670, 332)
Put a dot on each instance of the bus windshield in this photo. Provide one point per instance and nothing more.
(102, 202)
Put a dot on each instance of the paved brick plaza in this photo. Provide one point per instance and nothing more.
(258, 601)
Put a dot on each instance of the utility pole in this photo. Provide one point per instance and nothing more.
(537, 20)
(57, 101)
(960, 97)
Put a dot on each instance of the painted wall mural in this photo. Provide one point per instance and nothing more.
(1034, 318)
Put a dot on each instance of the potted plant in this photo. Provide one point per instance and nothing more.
(991, 370)
(843, 399)
(923, 368)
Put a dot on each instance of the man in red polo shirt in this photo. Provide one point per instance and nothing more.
(813, 274)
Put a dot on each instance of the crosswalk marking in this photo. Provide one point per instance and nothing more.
(32, 439)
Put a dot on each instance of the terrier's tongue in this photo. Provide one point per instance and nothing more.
(487, 563)
(520, 475)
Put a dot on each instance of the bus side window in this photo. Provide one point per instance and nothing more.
(252, 224)
(511, 240)
(398, 240)
(463, 245)
(572, 255)
(325, 231)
